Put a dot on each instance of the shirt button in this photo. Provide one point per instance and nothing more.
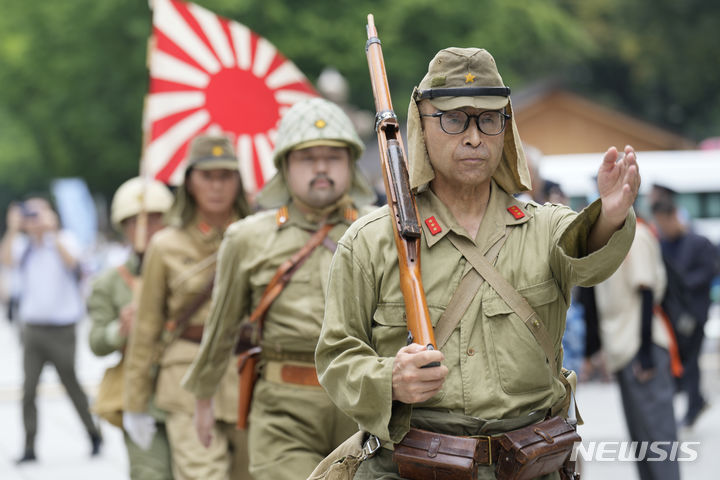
(471, 351)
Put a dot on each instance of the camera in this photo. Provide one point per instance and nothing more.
(27, 212)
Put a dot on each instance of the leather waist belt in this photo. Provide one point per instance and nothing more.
(291, 372)
(488, 449)
(271, 353)
(193, 333)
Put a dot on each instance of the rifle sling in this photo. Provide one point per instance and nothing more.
(284, 273)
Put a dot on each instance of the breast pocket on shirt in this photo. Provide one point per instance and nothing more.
(521, 364)
(389, 329)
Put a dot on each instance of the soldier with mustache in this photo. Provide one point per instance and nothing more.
(293, 424)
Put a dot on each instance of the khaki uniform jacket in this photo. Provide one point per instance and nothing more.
(497, 370)
(178, 265)
(250, 255)
(110, 293)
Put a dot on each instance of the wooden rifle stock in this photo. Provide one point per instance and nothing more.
(400, 198)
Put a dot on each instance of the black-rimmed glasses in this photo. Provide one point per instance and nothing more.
(454, 122)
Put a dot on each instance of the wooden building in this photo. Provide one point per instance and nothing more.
(560, 122)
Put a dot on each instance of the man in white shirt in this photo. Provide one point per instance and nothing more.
(635, 342)
(50, 304)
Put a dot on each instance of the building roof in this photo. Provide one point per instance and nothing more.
(558, 121)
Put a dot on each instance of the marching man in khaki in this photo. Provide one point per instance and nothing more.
(315, 196)
(177, 276)
(112, 310)
(493, 375)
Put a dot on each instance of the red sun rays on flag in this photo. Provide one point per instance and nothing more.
(208, 73)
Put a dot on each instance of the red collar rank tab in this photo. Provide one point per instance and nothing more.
(516, 212)
(433, 225)
(204, 227)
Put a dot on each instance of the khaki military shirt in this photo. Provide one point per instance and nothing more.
(178, 265)
(497, 370)
(110, 293)
(250, 255)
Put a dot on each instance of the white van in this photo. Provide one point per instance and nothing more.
(693, 174)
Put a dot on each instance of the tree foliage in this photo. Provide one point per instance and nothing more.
(74, 76)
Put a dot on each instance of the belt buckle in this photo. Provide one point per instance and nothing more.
(487, 438)
(371, 445)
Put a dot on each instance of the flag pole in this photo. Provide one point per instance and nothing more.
(140, 240)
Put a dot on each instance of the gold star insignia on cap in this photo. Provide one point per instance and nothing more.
(217, 150)
(469, 78)
(320, 123)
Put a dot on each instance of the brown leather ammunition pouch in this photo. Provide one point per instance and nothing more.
(521, 454)
(429, 455)
(535, 450)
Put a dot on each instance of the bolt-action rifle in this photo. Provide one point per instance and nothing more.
(399, 197)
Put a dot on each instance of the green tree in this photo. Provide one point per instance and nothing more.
(73, 79)
(655, 60)
(74, 76)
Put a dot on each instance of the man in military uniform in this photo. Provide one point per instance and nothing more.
(112, 309)
(465, 164)
(177, 275)
(292, 423)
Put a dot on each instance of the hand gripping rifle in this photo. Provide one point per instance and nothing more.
(400, 198)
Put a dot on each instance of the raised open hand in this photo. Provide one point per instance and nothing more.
(618, 182)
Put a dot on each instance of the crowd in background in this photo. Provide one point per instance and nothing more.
(645, 326)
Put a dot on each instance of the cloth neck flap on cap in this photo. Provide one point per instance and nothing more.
(512, 173)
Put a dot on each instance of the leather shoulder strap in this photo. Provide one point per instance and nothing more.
(523, 309)
(126, 276)
(181, 322)
(463, 296)
(285, 272)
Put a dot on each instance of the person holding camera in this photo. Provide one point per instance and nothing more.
(50, 305)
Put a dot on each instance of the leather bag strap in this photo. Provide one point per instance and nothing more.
(285, 272)
(463, 296)
(520, 306)
(179, 325)
(126, 276)
(511, 296)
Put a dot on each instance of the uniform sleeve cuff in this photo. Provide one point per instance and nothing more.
(597, 266)
(113, 336)
(400, 421)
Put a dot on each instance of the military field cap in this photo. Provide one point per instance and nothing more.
(463, 77)
(136, 195)
(209, 152)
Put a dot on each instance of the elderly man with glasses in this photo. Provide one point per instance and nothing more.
(466, 162)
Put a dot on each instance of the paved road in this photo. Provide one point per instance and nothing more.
(63, 448)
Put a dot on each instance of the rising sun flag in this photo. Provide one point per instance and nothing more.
(211, 74)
